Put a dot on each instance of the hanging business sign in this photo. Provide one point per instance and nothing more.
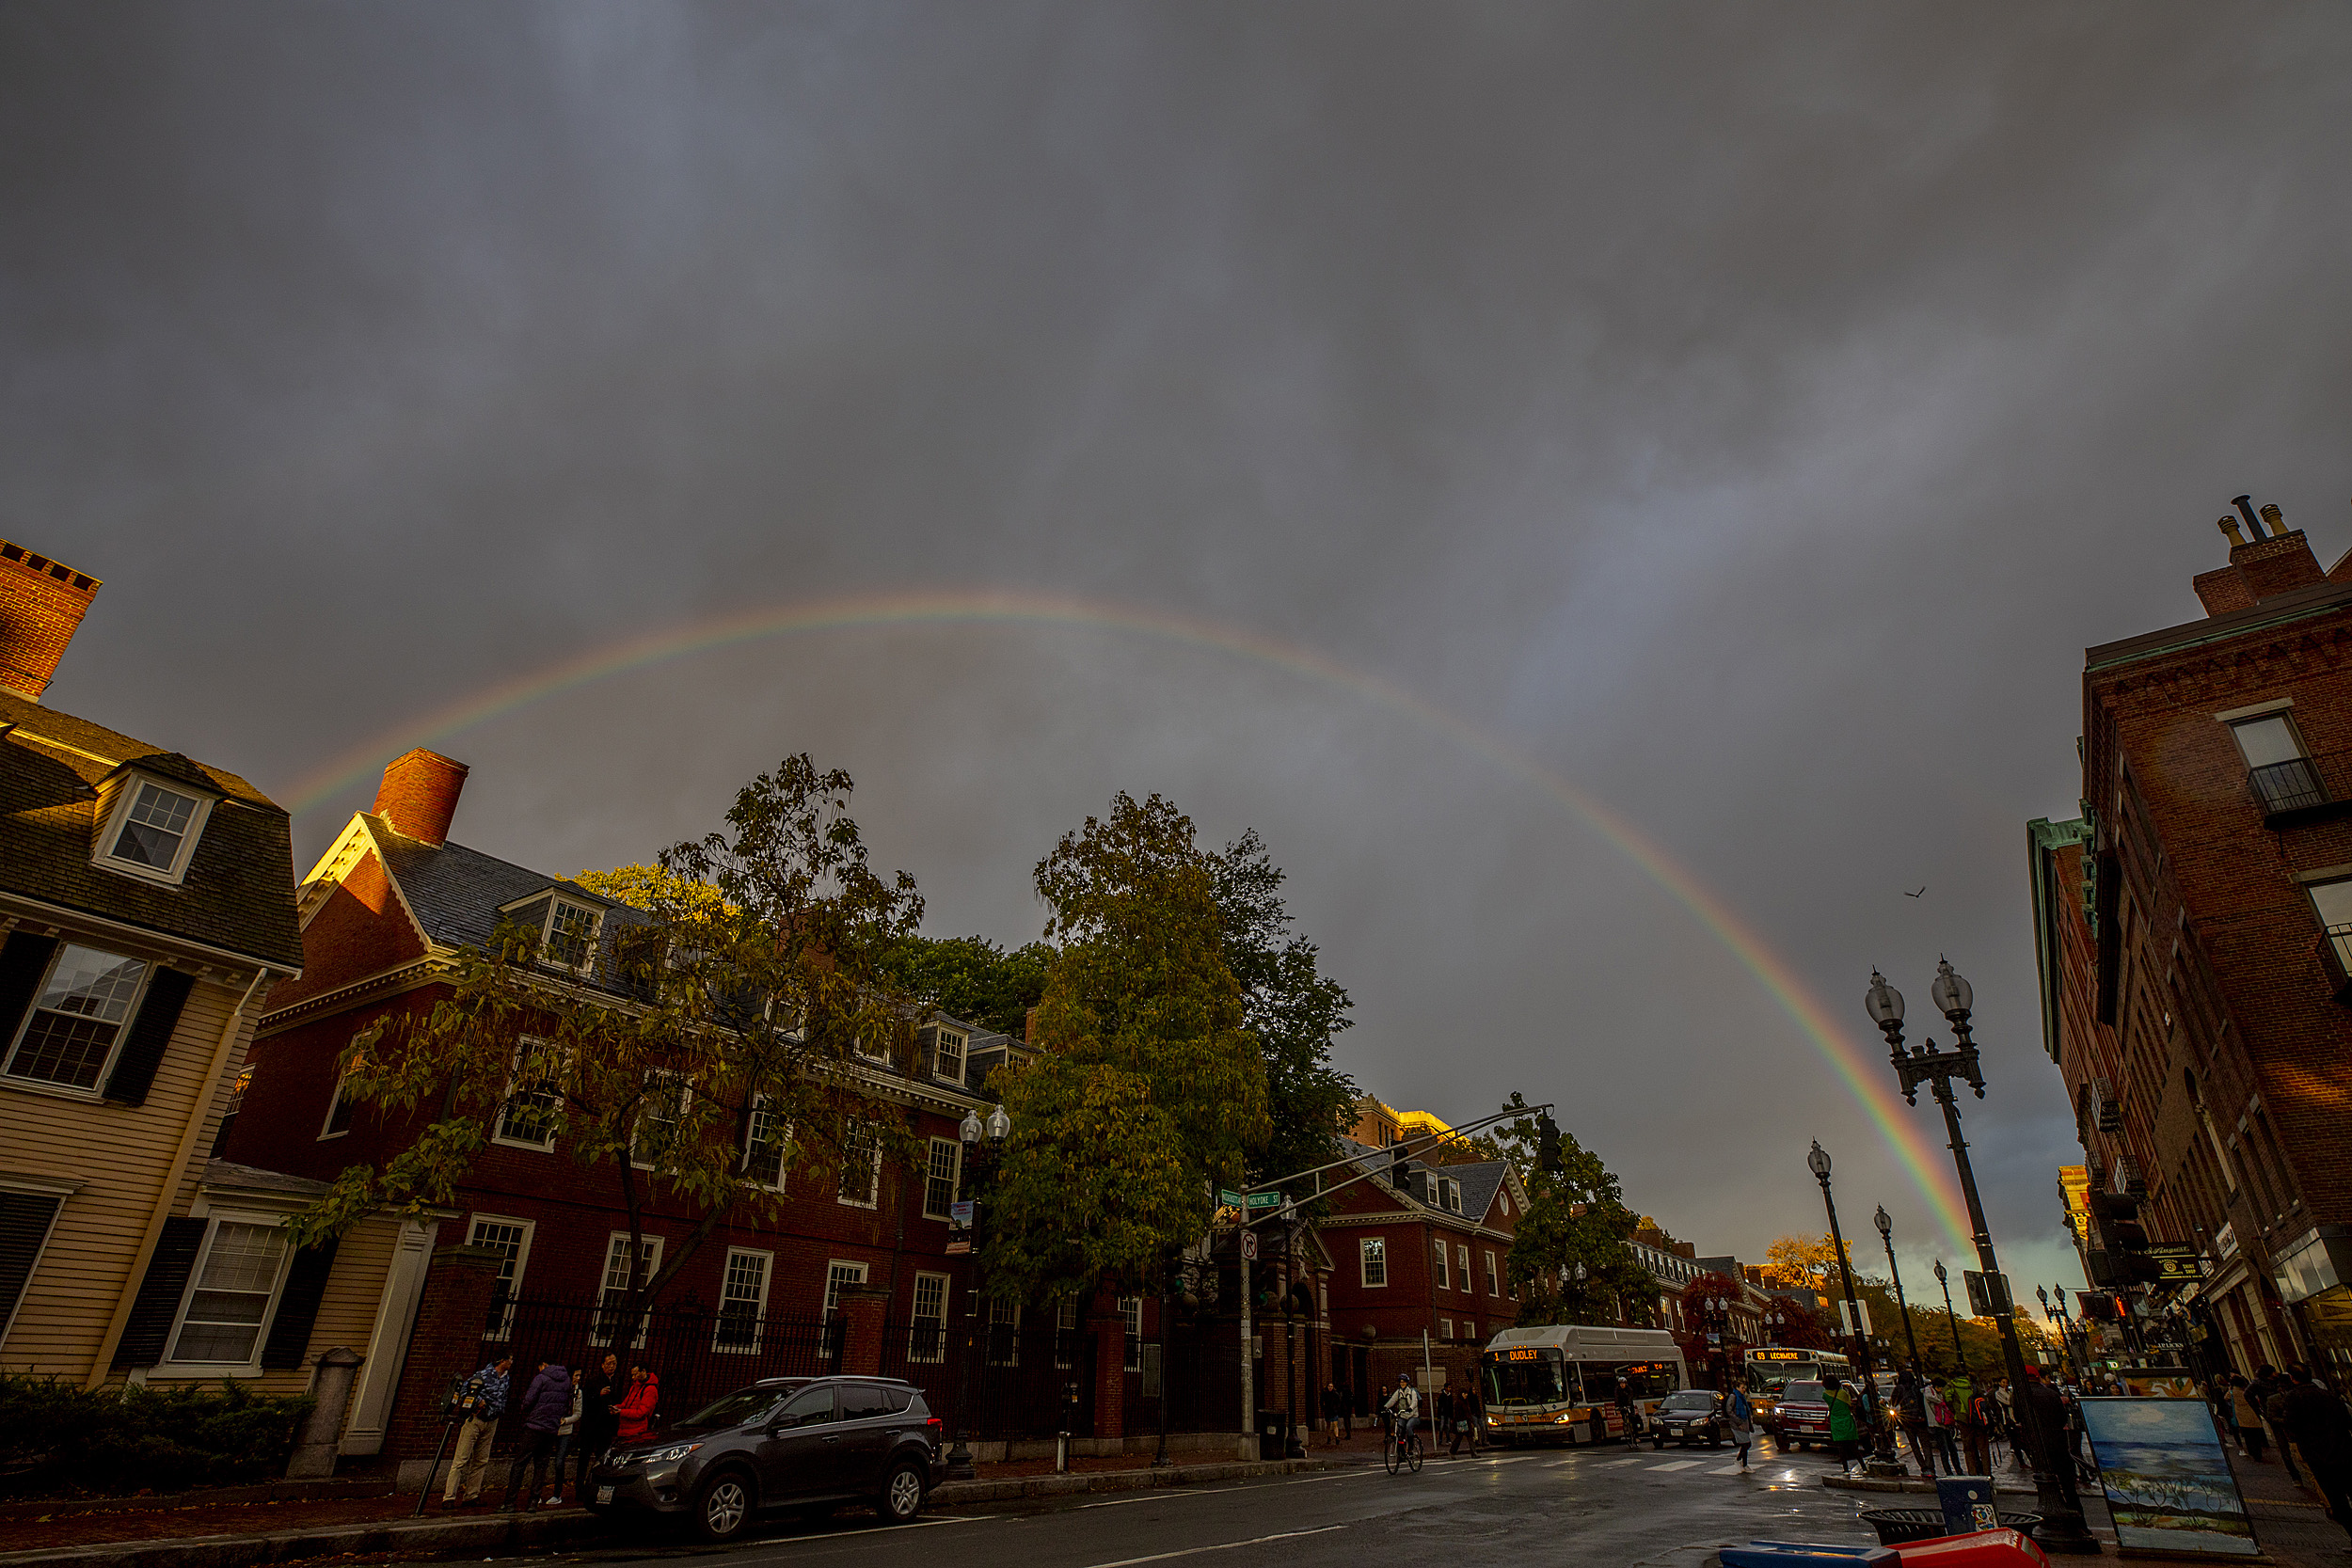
(2167, 1483)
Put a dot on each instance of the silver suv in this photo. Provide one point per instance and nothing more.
(786, 1442)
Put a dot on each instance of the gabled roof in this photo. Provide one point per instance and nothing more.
(238, 895)
(1479, 1181)
(456, 892)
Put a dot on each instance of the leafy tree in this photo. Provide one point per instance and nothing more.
(1293, 1009)
(1806, 1261)
(972, 979)
(1574, 1215)
(1145, 1060)
(688, 1058)
(651, 887)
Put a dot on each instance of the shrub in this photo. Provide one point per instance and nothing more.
(58, 1439)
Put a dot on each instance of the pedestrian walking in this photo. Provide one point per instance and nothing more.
(2320, 1425)
(1627, 1411)
(1334, 1407)
(1740, 1416)
(600, 1391)
(1442, 1407)
(1968, 1423)
(1845, 1431)
(543, 1407)
(2247, 1415)
(2267, 1387)
(1911, 1413)
(565, 1430)
(2045, 1408)
(1475, 1409)
(479, 1404)
(1939, 1410)
(639, 1407)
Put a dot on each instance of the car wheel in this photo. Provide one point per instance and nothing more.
(722, 1506)
(901, 1495)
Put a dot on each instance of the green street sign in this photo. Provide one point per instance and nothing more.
(1230, 1200)
(1267, 1200)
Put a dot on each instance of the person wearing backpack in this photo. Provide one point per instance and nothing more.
(1740, 1416)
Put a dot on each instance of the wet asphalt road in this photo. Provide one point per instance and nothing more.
(1599, 1505)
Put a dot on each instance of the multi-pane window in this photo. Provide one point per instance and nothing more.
(1445, 1328)
(939, 1179)
(1461, 1259)
(1494, 1273)
(511, 1239)
(2277, 765)
(1004, 1333)
(1130, 1312)
(77, 1019)
(1372, 1258)
(653, 1140)
(839, 1276)
(2332, 902)
(1445, 1277)
(533, 1109)
(947, 1056)
(571, 935)
(612, 1300)
(1452, 1195)
(155, 829)
(1065, 1330)
(222, 1325)
(763, 1151)
(742, 1300)
(926, 1339)
(861, 1168)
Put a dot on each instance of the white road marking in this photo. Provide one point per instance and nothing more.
(877, 1530)
(1614, 1462)
(1730, 1470)
(1220, 1547)
(1676, 1465)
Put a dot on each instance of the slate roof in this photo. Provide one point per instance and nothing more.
(1479, 1181)
(239, 892)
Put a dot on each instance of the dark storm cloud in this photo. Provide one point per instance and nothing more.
(1749, 412)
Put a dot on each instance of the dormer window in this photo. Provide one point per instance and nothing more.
(152, 829)
(566, 930)
(947, 1055)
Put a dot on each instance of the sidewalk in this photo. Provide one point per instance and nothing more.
(207, 1530)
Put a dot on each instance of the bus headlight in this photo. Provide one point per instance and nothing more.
(1562, 1418)
(1494, 1420)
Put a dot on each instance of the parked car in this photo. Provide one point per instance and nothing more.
(1690, 1416)
(787, 1442)
(1804, 1415)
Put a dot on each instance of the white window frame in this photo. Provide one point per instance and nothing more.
(685, 1101)
(251, 1366)
(35, 1188)
(784, 1143)
(557, 900)
(1013, 1339)
(1452, 1195)
(335, 1102)
(1461, 1266)
(1494, 1273)
(916, 1320)
(125, 794)
(1444, 1269)
(2285, 717)
(872, 1139)
(839, 1272)
(1445, 1328)
(1372, 1257)
(520, 1260)
(940, 1036)
(759, 1305)
(527, 1046)
(954, 1177)
(1131, 1314)
(33, 1010)
(1065, 1330)
(1504, 1197)
(649, 1265)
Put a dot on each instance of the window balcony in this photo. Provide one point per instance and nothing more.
(2300, 790)
(2335, 959)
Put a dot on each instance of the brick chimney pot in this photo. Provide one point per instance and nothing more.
(419, 796)
(41, 605)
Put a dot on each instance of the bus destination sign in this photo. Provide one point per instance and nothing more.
(1776, 1356)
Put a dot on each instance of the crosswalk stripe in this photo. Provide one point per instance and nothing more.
(1730, 1470)
(1613, 1464)
(1676, 1465)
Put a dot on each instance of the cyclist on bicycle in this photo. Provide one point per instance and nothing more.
(1405, 1405)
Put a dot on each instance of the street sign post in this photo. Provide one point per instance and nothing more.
(1267, 1200)
(1250, 1246)
(1229, 1197)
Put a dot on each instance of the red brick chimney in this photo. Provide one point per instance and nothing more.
(2271, 563)
(419, 796)
(41, 602)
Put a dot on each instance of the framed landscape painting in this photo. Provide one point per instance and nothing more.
(2167, 1479)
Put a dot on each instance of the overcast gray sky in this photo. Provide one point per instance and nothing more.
(1747, 413)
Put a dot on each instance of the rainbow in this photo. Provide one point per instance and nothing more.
(1859, 1072)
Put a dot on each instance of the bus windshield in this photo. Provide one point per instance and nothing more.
(1537, 1379)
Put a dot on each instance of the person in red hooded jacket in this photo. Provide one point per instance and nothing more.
(638, 1406)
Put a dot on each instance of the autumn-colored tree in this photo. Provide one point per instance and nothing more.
(686, 1057)
(1797, 1262)
(1148, 1089)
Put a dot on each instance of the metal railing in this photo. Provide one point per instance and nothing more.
(2294, 785)
(1015, 1383)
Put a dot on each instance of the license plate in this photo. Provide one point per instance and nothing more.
(604, 1494)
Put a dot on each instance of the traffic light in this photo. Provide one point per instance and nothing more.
(2119, 1242)
(2099, 1307)
(1548, 1144)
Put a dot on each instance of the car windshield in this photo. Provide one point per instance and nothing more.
(1690, 1401)
(741, 1409)
(1800, 1393)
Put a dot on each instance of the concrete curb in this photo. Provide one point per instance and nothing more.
(509, 1533)
(1912, 1483)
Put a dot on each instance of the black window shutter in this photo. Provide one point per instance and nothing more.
(24, 1220)
(158, 1301)
(23, 962)
(297, 1308)
(150, 1035)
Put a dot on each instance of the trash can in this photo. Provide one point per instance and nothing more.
(1967, 1502)
(1274, 1433)
(1796, 1554)
(1900, 1527)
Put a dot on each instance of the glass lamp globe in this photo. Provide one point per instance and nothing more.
(969, 1128)
(999, 1125)
(1951, 993)
(1939, 1271)
(1817, 1162)
(1884, 1001)
(1886, 1226)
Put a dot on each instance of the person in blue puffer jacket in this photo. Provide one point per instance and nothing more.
(543, 1407)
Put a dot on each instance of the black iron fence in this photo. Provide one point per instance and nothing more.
(1010, 1383)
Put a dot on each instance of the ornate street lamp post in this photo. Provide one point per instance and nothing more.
(1818, 1163)
(995, 1129)
(1886, 1236)
(1959, 1357)
(1924, 1063)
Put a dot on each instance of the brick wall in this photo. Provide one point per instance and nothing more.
(41, 604)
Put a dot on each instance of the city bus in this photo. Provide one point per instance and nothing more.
(1560, 1383)
(1765, 1372)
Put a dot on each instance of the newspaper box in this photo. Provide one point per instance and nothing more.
(1799, 1554)
(1985, 1549)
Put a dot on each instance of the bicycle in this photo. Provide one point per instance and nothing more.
(1402, 1450)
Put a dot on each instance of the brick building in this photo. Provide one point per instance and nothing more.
(384, 914)
(2193, 934)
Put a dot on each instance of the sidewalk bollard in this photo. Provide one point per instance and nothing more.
(1061, 1452)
